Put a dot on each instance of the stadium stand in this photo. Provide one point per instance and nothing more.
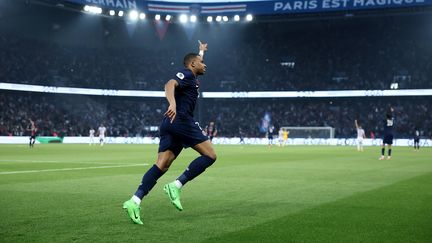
(388, 49)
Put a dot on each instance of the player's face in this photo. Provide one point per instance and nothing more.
(199, 66)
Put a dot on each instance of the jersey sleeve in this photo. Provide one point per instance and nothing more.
(181, 77)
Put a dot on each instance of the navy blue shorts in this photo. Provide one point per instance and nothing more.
(182, 133)
(388, 139)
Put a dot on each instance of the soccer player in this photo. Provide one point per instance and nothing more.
(416, 139)
(285, 134)
(33, 129)
(360, 136)
(388, 135)
(177, 130)
(91, 136)
(270, 132)
(280, 137)
(241, 135)
(101, 132)
(211, 131)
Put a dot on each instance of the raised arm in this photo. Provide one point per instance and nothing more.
(202, 48)
(169, 94)
(356, 124)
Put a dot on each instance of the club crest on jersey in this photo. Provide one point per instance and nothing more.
(180, 75)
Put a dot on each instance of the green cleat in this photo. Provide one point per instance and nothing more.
(133, 211)
(174, 195)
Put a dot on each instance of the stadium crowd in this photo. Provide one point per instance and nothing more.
(330, 55)
(74, 115)
(326, 54)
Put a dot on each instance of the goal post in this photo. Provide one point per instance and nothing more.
(310, 132)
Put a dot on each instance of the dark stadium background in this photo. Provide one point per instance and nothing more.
(44, 44)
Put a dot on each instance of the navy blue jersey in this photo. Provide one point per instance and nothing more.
(388, 126)
(186, 93)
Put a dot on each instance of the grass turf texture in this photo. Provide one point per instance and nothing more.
(251, 194)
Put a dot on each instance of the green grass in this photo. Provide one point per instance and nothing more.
(251, 194)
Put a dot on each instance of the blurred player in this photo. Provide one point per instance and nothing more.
(101, 132)
(91, 136)
(360, 136)
(270, 132)
(416, 139)
(33, 129)
(285, 134)
(178, 129)
(241, 135)
(211, 131)
(388, 134)
(280, 135)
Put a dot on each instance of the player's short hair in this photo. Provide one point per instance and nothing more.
(189, 58)
(389, 116)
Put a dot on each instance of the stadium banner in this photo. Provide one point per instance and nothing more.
(257, 94)
(49, 139)
(230, 141)
(262, 7)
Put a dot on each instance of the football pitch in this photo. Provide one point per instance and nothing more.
(74, 193)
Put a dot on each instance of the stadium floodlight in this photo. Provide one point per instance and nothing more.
(92, 9)
(218, 18)
(157, 17)
(120, 13)
(168, 17)
(236, 18)
(111, 12)
(142, 16)
(183, 18)
(209, 19)
(249, 17)
(225, 18)
(133, 15)
(193, 18)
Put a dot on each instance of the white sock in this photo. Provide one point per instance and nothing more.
(136, 199)
(178, 184)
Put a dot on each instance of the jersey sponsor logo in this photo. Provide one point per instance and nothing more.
(180, 75)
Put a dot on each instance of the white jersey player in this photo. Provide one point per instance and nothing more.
(101, 131)
(280, 137)
(91, 136)
(360, 136)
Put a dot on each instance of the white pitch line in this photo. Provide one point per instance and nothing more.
(57, 162)
(68, 169)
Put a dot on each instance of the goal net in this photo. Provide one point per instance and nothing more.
(310, 132)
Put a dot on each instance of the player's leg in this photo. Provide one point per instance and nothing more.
(195, 168)
(389, 147)
(382, 151)
(148, 181)
(200, 164)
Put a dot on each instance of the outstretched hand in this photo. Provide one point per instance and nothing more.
(202, 46)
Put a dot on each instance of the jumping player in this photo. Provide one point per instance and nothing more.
(177, 130)
(388, 134)
(360, 136)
